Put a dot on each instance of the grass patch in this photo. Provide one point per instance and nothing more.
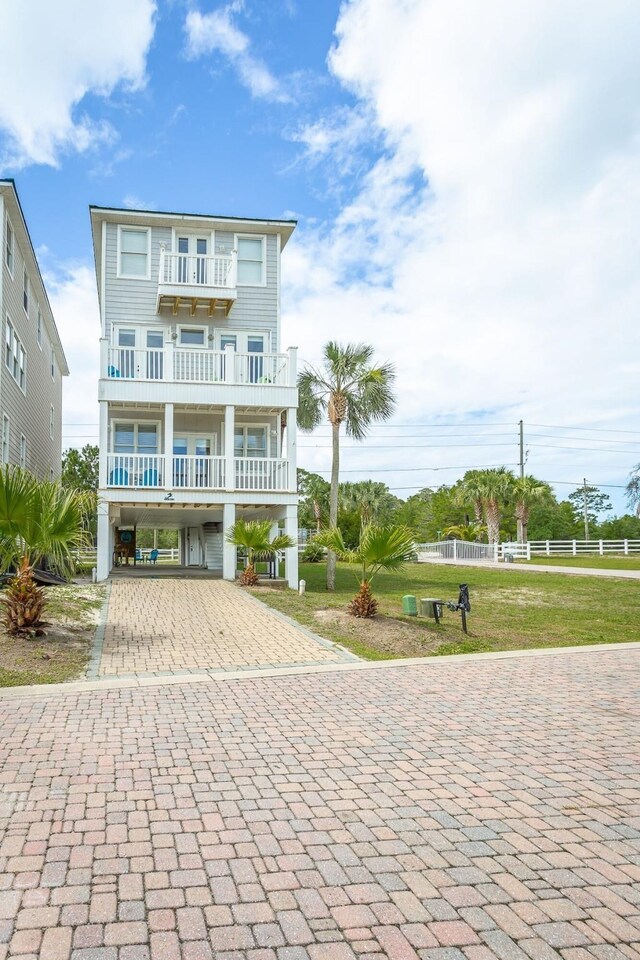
(509, 611)
(63, 653)
(610, 561)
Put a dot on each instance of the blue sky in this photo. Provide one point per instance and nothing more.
(466, 181)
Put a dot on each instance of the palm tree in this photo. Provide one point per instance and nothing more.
(370, 498)
(633, 489)
(347, 389)
(492, 487)
(255, 537)
(527, 491)
(380, 548)
(469, 532)
(40, 521)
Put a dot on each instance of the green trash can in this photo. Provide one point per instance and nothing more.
(409, 605)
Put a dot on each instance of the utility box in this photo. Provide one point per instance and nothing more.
(409, 606)
(432, 608)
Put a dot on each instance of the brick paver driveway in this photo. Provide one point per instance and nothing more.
(445, 811)
(170, 626)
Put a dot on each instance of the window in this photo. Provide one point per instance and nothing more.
(53, 363)
(51, 474)
(134, 252)
(250, 441)
(9, 248)
(5, 438)
(228, 340)
(251, 260)
(14, 356)
(192, 336)
(25, 291)
(135, 438)
(23, 451)
(52, 417)
(39, 329)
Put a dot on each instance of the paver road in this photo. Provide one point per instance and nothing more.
(458, 811)
(156, 627)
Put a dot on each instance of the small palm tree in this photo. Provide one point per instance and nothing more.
(492, 488)
(39, 522)
(380, 548)
(255, 537)
(347, 389)
(469, 532)
(527, 491)
(370, 498)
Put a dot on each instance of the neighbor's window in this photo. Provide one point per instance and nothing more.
(9, 248)
(251, 260)
(14, 355)
(25, 291)
(5, 439)
(39, 328)
(23, 451)
(134, 252)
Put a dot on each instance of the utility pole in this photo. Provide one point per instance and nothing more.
(521, 425)
(586, 509)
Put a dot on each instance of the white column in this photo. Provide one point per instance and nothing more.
(291, 555)
(228, 549)
(168, 446)
(292, 448)
(103, 444)
(229, 429)
(104, 541)
(293, 366)
(229, 364)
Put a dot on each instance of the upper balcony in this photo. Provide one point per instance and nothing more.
(197, 280)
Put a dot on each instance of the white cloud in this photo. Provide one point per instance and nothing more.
(52, 55)
(133, 202)
(216, 31)
(492, 250)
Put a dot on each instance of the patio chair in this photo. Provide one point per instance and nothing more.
(153, 556)
(139, 556)
(150, 478)
(113, 371)
(119, 477)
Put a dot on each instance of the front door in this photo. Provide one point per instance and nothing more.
(193, 538)
(192, 262)
(191, 464)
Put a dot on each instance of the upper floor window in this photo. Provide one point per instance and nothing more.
(25, 291)
(192, 336)
(9, 248)
(39, 328)
(133, 252)
(5, 438)
(251, 265)
(141, 438)
(14, 355)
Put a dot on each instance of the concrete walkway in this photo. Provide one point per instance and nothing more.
(160, 627)
(470, 809)
(541, 568)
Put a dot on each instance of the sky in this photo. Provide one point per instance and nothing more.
(465, 176)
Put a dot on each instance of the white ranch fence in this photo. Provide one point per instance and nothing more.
(465, 550)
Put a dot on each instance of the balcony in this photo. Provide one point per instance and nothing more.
(197, 280)
(149, 472)
(198, 366)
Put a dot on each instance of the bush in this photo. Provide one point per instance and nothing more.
(312, 553)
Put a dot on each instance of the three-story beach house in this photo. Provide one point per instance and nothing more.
(197, 399)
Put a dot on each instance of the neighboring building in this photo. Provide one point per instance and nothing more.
(197, 403)
(33, 361)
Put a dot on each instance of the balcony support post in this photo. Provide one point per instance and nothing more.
(103, 443)
(229, 364)
(228, 549)
(229, 431)
(293, 366)
(104, 547)
(168, 446)
(291, 555)
(167, 369)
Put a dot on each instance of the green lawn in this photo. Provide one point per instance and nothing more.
(509, 610)
(63, 652)
(610, 561)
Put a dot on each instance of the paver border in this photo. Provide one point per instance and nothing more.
(93, 667)
(214, 675)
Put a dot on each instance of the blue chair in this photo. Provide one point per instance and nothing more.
(150, 478)
(153, 556)
(139, 557)
(113, 372)
(119, 477)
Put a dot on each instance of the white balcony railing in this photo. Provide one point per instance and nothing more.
(197, 270)
(195, 473)
(198, 366)
(254, 473)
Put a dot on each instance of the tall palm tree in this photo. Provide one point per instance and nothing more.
(255, 537)
(348, 389)
(493, 488)
(527, 491)
(380, 548)
(370, 498)
(40, 521)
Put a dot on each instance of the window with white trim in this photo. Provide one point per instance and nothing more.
(251, 259)
(39, 328)
(5, 438)
(9, 247)
(52, 418)
(23, 451)
(192, 336)
(14, 356)
(25, 291)
(133, 243)
(251, 440)
(139, 438)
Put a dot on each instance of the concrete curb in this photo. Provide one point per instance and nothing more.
(93, 667)
(214, 676)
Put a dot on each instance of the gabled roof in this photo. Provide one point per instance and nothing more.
(18, 222)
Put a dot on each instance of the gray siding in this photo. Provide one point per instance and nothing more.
(29, 412)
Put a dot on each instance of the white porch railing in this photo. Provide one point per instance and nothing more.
(128, 363)
(198, 473)
(260, 368)
(197, 270)
(198, 366)
(253, 473)
(135, 470)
